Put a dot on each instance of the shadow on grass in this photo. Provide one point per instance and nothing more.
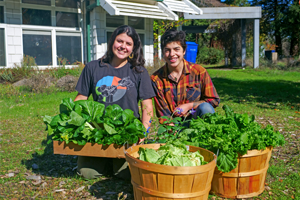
(49, 164)
(265, 92)
(110, 188)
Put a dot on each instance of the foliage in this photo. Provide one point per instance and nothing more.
(209, 55)
(26, 68)
(169, 130)
(230, 135)
(274, 13)
(23, 138)
(161, 26)
(89, 121)
(174, 153)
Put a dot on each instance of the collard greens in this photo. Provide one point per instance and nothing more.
(173, 154)
(89, 121)
(229, 136)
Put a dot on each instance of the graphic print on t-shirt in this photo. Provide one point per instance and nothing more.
(111, 88)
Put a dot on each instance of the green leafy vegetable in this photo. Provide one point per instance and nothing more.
(229, 136)
(174, 153)
(89, 121)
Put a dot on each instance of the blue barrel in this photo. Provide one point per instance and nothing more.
(191, 52)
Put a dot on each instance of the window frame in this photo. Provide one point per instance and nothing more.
(4, 13)
(53, 28)
(60, 33)
(2, 26)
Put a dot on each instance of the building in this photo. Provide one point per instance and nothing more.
(52, 29)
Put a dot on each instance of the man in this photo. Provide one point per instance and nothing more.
(179, 85)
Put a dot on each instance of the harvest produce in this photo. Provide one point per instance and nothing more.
(173, 154)
(230, 135)
(89, 121)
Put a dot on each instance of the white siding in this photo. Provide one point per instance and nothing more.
(13, 32)
(99, 40)
(14, 29)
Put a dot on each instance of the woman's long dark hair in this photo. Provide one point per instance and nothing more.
(138, 60)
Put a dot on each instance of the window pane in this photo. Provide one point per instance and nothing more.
(136, 22)
(114, 20)
(65, 19)
(1, 14)
(36, 17)
(2, 48)
(39, 2)
(69, 47)
(108, 35)
(142, 37)
(68, 3)
(39, 47)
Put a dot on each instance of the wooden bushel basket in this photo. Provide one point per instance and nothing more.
(160, 182)
(247, 180)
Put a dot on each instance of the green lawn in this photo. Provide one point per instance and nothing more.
(272, 96)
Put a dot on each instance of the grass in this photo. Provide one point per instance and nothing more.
(273, 96)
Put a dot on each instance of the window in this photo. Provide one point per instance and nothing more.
(67, 3)
(36, 17)
(38, 45)
(68, 45)
(39, 2)
(136, 22)
(65, 19)
(114, 21)
(108, 35)
(142, 38)
(1, 14)
(2, 48)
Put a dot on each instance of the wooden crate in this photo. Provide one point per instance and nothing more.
(247, 180)
(89, 149)
(160, 182)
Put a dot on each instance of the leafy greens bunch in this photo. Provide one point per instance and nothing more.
(169, 130)
(89, 121)
(174, 153)
(230, 135)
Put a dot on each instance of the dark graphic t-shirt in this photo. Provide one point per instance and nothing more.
(108, 85)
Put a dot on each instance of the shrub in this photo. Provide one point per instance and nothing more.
(209, 55)
(24, 70)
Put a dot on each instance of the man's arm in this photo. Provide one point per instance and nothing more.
(209, 92)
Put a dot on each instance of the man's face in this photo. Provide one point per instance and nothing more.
(173, 54)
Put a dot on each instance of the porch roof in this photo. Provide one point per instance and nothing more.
(157, 9)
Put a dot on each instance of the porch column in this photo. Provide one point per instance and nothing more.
(256, 44)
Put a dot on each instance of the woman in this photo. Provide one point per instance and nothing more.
(181, 87)
(119, 77)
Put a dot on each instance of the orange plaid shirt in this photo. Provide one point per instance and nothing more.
(194, 85)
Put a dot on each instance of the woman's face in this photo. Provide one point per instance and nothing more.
(122, 46)
(173, 54)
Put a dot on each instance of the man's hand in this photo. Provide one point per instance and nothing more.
(184, 109)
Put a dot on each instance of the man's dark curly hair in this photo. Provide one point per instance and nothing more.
(138, 60)
(173, 36)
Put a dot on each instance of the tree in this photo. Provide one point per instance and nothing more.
(274, 13)
(292, 27)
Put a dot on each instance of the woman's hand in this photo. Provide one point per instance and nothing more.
(80, 97)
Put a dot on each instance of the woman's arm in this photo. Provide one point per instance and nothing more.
(80, 97)
(147, 112)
